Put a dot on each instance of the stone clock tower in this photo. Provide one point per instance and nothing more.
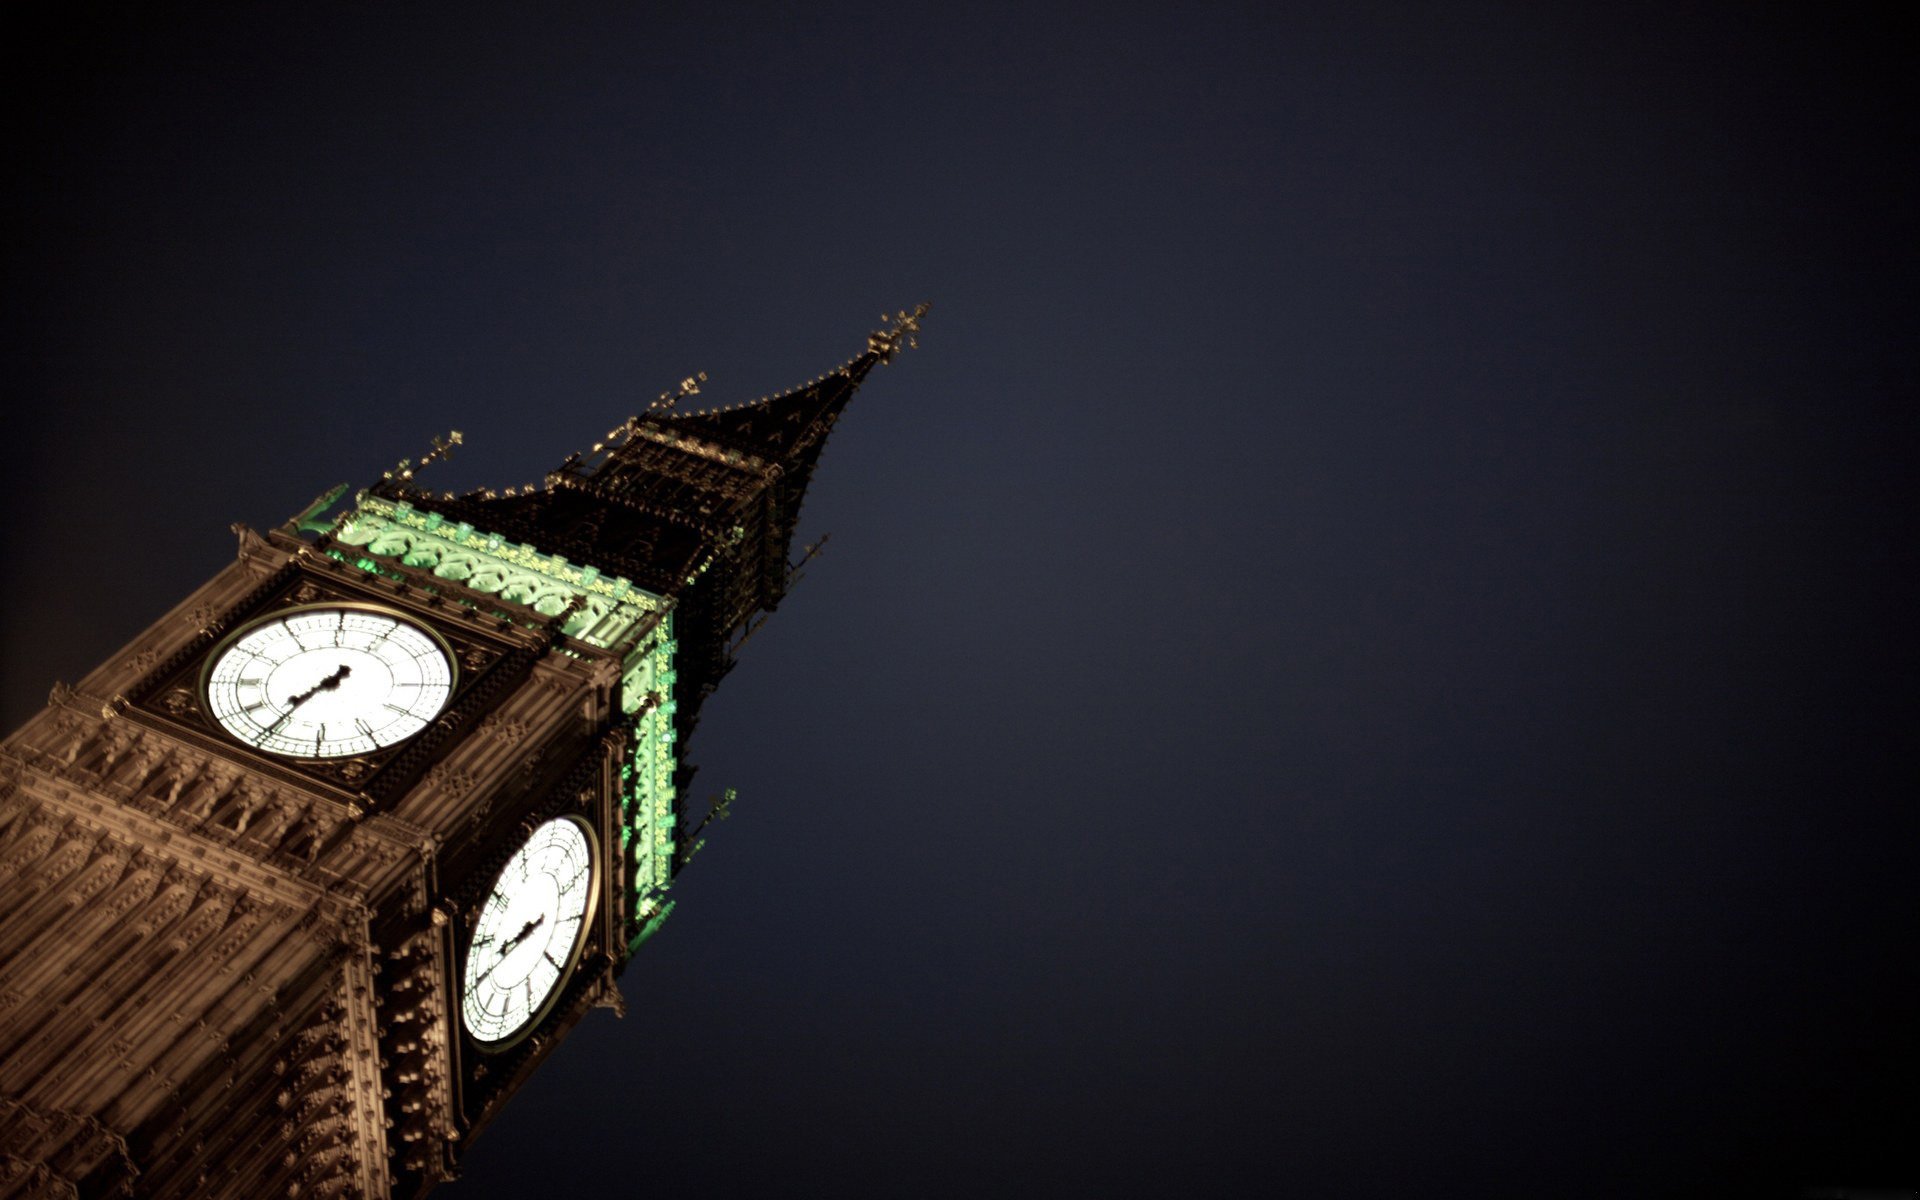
(297, 889)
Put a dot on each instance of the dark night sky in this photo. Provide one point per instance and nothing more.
(1363, 655)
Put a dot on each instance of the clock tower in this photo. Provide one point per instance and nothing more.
(298, 888)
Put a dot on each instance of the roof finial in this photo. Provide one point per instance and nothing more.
(906, 325)
(308, 518)
(688, 387)
(442, 447)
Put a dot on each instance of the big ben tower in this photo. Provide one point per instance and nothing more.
(300, 886)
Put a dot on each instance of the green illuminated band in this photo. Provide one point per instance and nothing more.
(605, 612)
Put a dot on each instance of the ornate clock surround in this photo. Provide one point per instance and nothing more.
(482, 1075)
(489, 654)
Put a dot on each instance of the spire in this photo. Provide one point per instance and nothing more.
(699, 506)
(784, 427)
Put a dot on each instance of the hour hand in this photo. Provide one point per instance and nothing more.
(325, 685)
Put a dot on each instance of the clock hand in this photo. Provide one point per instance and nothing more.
(325, 685)
(294, 702)
(511, 944)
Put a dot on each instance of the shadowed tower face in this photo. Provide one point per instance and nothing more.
(297, 889)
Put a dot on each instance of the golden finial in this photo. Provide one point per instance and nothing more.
(688, 387)
(904, 331)
(442, 447)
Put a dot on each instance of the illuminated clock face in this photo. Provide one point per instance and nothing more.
(328, 681)
(529, 932)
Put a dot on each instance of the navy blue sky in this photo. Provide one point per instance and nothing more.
(1363, 653)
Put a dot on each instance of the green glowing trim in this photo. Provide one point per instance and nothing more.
(646, 782)
(604, 610)
(605, 613)
(652, 926)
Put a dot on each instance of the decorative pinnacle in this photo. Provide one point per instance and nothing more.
(442, 447)
(718, 809)
(308, 518)
(904, 331)
(688, 387)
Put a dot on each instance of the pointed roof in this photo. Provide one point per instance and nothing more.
(785, 428)
(697, 506)
(668, 489)
(773, 427)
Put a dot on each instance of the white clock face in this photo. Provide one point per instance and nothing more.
(529, 931)
(329, 681)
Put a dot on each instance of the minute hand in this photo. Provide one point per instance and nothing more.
(512, 944)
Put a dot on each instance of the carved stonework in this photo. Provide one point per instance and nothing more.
(33, 842)
(114, 746)
(318, 928)
(607, 994)
(419, 898)
(281, 813)
(531, 764)
(450, 781)
(98, 876)
(72, 733)
(133, 890)
(212, 786)
(171, 901)
(377, 848)
(205, 918)
(242, 920)
(508, 731)
(251, 544)
(313, 839)
(142, 764)
(353, 771)
(179, 772)
(413, 1053)
(476, 658)
(142, 662)
(250, 797)
(45, 1151)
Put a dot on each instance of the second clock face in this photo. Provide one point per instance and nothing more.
(528, 932)
(328, 681)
